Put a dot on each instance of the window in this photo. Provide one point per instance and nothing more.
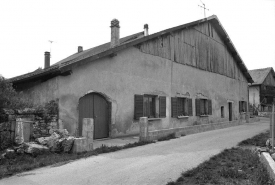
(242, 106)
(151, 106)
(222, 111)
(181, 107)
(203, 107)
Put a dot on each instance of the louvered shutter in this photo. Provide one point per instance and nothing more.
(198, 111)
(174, 107)
(240, 106)
(209, 107)
(190, 107)
(138, 112)
(162, 106)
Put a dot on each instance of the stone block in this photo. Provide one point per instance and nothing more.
(143, 128)
(82, 145)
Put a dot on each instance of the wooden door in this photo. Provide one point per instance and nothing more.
(230, 111)
(95, 106)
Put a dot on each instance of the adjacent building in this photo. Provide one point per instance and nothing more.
(187, 75)
(262, 91)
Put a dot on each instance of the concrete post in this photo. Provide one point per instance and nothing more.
(85, 143)
(143, 129)
(23, 130)
(247, 116)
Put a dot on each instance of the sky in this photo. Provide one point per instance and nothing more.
(27, 26)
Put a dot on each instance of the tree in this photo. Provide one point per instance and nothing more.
(9, 98)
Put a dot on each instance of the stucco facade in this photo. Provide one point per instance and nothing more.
(133, 72)
(183, 63)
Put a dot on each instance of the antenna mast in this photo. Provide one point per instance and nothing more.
(203, 8)
(50, 47)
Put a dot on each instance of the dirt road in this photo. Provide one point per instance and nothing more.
(151, 164)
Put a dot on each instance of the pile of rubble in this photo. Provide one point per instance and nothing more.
(59, 141)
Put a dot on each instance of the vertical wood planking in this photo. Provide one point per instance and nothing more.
(200, 46)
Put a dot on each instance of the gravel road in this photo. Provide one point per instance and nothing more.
(151, 164)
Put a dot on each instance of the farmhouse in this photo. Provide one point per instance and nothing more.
(187, 75)
(262, 91)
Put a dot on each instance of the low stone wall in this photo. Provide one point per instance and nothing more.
(146, 135)
(41, 125)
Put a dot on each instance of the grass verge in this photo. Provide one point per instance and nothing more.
(232, 166)
(26, 162)
(258, 140)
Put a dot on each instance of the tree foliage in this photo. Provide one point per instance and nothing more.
(11, 99)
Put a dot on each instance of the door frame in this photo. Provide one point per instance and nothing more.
(109, 104)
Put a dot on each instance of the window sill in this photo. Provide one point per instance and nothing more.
(153, 119)
(181, 117)
(204, 115)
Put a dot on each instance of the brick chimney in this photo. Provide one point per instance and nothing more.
(47, 59)
(146, 30)
(114, 33)
(79, 49)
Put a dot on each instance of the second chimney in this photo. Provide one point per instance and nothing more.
(47, 59)
(114, 33)
(146, 30)
(80, 49)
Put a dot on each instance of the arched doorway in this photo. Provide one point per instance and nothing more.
(95, 106)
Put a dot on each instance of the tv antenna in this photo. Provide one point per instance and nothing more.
(51, 41)
(203, 8)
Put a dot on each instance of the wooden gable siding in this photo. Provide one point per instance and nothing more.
(269, 80)
(199, 46)
(268, 89)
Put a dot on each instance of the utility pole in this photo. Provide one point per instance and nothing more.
(272, 127)
(203, 8)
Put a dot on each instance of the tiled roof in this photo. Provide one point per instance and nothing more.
(259, 75)
(132, 40)
(77, 56)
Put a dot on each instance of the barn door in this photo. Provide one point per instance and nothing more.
(95, 106)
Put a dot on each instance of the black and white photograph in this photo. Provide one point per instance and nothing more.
(137, 92)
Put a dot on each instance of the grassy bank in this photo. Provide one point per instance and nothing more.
(232, 166)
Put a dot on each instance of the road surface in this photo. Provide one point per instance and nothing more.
(156, 163)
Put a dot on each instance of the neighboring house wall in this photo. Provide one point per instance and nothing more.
(254, 95)
(212, 74)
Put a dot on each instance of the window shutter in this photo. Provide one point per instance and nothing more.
(198, 111)
(162, 106)
(138, 106)
(240, 106)
(190, 107)
(209, 107)
(174, 107)
(245, 106)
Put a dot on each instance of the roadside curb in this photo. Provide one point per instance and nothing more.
(269, 163)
